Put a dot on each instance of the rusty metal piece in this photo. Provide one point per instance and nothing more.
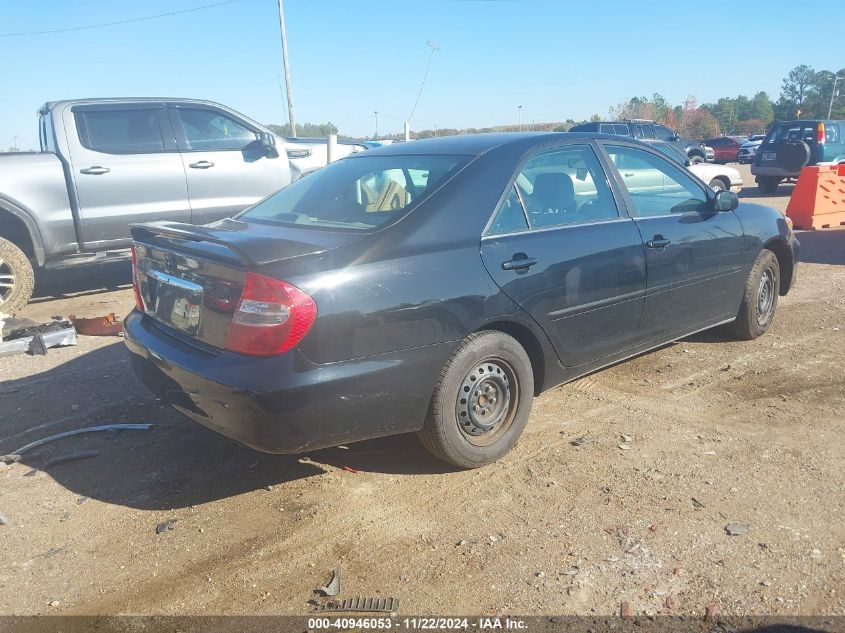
(107, 325)
(361, 604)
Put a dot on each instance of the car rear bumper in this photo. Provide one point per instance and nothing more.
(768, 171)
(286, 404)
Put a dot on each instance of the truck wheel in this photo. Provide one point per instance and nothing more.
(696, 159)
(768, 185)
(482, 402)
(16, 278)
(760, 299)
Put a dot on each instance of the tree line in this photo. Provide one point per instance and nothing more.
(805, 93)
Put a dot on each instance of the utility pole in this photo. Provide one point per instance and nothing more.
(287, 68)
(376, 134)
(519, 112)
(832, 96)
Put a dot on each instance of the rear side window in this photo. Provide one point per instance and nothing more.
(565, 185)
(833, 133)
(120, 131)
(206, 129)
(359, 193)
(621, 128)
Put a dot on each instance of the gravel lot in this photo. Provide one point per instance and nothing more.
(689, 439)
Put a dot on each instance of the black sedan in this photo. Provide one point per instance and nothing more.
(438, 286)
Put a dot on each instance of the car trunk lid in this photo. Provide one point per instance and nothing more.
(191, 278)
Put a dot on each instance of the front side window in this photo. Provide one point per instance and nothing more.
(360, 193)
(206, 129)
(656, 186)
(565, 185)
(135, 131)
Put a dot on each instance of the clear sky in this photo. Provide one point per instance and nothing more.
(556, 58)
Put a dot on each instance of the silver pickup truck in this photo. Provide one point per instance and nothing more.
(108, 163)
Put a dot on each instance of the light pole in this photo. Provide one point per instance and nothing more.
(519, 114)
(287, 68)
(435, 130)
(376, 134)
(832, 96)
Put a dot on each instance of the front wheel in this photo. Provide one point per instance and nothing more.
(482, 402)
(16, 278)
(760, 299)
(717, 184)
(697, 160)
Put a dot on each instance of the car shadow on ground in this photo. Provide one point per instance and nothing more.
(753, 192)
(825, 246)
(175, 464)
(81, 281)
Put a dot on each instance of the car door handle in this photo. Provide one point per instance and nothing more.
(520, 261)
(96, 170)
(203, 164)
(658, 241)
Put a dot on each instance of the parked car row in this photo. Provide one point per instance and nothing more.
(647, 129)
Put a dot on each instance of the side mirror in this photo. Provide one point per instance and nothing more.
(675, 137)
(267, 142)
(725, 201)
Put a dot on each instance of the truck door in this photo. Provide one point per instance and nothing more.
(125, 168)
(227, 169)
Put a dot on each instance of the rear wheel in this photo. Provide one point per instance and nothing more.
(16, 278)
(482, 402)
(760, 299)
(768, 185)
(696, 159)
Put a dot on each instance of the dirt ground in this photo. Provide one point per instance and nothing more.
(719, 433)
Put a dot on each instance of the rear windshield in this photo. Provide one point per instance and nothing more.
(359, 193)
(792, 131)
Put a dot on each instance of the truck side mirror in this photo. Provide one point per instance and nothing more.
(268, 144)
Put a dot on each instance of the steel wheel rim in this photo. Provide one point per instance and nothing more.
(486, 402)
(765, 296)
(7, 281)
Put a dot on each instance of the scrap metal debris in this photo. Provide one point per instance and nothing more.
(3, 519)
(107, 325)
(361, 604)
(15, 456)
(332, 588)
(25, 337)
(736, 529)
(584, 439)
(166, 526)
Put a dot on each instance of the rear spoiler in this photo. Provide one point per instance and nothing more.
(233, 241)
(149, 231)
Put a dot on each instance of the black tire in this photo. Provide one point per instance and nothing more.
(493, 371)
(760, 299)
(768, 185)
(792, 155)
(717, 184)
(696, 159)
(16, 278)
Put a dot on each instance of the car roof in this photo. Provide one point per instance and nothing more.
(478, 144)
(49, 105)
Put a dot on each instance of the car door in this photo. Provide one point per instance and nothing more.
(227, 169)
(559, 248)
(694, 256)
(125, 168)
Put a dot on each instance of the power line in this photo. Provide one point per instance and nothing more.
(118, 22)
(434, 47)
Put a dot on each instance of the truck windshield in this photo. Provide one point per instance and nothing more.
(359, 193)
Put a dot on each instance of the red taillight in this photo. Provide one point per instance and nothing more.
(272, 317)
(820, 134)
(139, 300)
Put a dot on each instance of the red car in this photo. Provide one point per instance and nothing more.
(725, 148)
